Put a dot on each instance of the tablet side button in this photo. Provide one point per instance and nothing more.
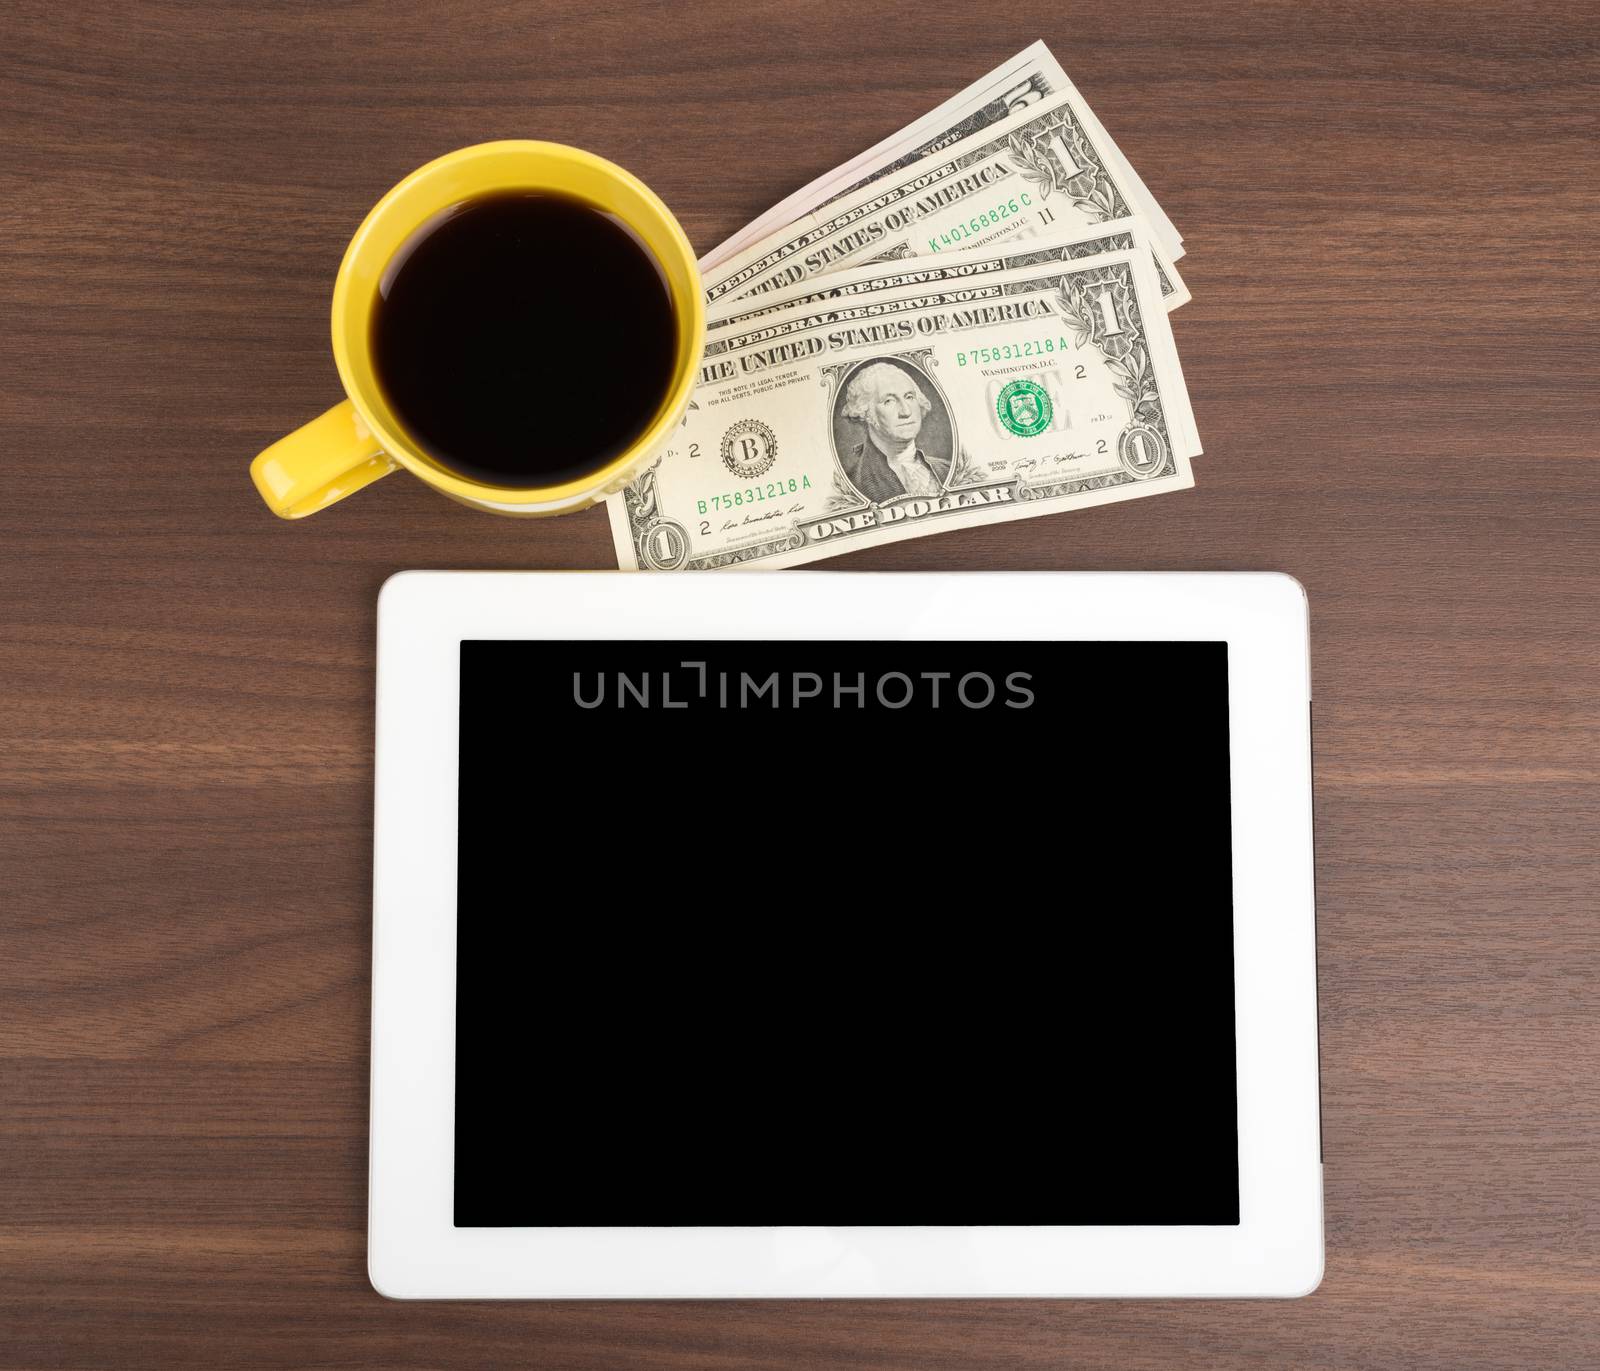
(1316, 968)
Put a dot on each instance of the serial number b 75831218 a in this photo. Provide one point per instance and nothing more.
(757, 494)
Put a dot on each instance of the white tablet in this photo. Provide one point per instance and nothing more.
(843, 935)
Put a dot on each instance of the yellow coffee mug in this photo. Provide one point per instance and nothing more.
(361, 439)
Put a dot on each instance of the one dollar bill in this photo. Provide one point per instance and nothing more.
(1033, 174)
(824, 428)
(1029, 77)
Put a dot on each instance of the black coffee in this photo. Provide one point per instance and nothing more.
(524, 339)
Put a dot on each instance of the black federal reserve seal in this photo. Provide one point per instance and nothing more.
(749, 448)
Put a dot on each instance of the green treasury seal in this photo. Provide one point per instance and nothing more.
(1024, 408)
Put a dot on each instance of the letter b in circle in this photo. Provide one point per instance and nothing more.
(749, 448)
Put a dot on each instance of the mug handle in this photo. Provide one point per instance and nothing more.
(320, 462)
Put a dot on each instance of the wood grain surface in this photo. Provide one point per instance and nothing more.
(1389, 210)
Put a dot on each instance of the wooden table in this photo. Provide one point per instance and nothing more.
(1392, 351)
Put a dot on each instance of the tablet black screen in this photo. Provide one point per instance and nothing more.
(844, 933)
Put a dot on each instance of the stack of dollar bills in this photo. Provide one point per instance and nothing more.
(963, 325)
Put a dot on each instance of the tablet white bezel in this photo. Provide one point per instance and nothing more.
(414, 1251)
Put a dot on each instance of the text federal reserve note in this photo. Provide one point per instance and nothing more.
(874, 278)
